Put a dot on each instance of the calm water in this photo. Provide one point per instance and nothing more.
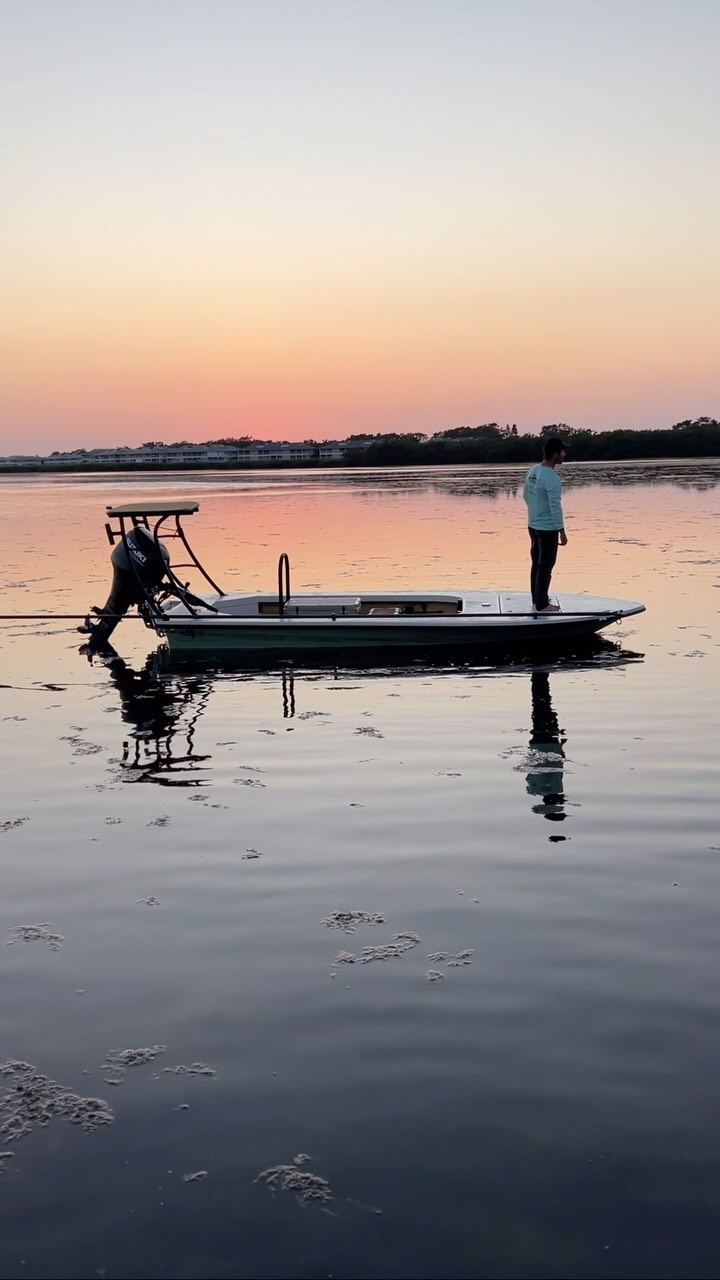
(550, 1108)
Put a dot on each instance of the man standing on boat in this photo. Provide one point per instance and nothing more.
(546, 525)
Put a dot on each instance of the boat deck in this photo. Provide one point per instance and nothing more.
(472, 605)
(358, 606)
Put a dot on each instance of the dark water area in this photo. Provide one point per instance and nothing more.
(449, 929)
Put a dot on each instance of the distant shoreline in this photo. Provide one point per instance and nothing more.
(486, 445)
(188, 468)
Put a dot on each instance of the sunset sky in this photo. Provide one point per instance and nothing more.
(307, 218)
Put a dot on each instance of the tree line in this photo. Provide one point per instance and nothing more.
(489, 443)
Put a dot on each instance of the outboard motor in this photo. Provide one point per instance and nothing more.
(140, 562)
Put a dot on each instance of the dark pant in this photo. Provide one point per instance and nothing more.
(543, 554)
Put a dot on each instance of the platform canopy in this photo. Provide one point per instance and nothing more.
(150, 508)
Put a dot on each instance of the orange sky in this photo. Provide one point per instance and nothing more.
(303, 221)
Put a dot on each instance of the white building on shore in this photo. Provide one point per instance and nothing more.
(189, 455)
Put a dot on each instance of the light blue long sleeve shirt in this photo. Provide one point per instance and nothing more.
(543, 495)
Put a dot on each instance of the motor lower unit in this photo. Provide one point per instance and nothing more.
(139, 562)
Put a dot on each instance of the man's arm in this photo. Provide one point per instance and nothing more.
(554, 493)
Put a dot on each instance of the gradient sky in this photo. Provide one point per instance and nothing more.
(306, 218)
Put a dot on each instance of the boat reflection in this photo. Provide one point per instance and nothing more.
(162, 703)
(588, 651)
(163, 714)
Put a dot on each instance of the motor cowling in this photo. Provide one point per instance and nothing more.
(139, 562)
(141, 557)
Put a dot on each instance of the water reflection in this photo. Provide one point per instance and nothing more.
(545, 777)
(163, 713)
(288, 694)
(163, 702)
(465, 480)
(507, 479)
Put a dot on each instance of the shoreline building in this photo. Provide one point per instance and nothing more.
(189, 455)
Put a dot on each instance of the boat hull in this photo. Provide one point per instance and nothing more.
(478, 621)
(301, 636)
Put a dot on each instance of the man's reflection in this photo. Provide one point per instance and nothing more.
(547, 757)
(288, 693)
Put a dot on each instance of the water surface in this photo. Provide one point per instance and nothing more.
(548, 1108)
